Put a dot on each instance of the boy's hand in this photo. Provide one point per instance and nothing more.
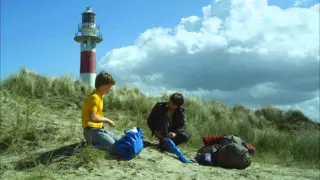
(109, 122)
(172, 134)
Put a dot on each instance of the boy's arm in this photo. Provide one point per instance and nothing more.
(95, 118)
(152, 118)
(183, 123)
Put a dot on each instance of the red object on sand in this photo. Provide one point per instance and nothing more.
(211, 140)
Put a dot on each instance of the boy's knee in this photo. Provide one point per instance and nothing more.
(185, 137)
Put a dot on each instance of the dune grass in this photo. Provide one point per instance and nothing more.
(283, 136)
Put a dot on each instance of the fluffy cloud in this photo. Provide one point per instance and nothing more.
(298, 3)
(239, 51)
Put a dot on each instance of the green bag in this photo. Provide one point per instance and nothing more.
(233, 153)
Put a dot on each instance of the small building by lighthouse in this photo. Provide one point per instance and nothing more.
(88, 36)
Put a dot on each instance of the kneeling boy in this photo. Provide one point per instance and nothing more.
(92, 117)
(167, 120)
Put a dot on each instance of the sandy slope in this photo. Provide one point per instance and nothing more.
(151, 164)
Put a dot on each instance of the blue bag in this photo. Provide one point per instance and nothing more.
(130, 145)
(175, 149)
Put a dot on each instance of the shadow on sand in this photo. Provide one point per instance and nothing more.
(58, 155)
(48, 157)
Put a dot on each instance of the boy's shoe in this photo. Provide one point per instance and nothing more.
(164, 148)
(161, 147)
(82, 144)
(78, 148)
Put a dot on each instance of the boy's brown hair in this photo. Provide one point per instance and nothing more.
(177, 99)
(104, 78)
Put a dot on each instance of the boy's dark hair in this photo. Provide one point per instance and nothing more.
(104, 78)
(177, 99)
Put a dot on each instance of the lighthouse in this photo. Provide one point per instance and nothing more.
(88, 36)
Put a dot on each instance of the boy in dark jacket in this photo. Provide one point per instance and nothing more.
(167, 120)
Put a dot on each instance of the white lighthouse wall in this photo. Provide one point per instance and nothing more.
(89, 46)
(88, 29)
(88, 25)
(88, 78)
(89, 32)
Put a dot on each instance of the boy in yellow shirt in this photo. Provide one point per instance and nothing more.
(92, 117)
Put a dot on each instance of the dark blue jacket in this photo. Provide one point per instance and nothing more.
(158, 121)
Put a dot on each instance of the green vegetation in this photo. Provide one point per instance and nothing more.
(40, 113)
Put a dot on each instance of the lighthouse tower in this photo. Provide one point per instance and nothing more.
(88, 36)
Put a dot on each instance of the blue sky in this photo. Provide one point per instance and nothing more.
(39, 34)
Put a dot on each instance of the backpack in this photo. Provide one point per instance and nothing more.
(130, 145)
(233, 153)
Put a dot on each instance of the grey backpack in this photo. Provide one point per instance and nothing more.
(233, 153)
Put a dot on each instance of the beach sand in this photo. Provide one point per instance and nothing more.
(151, 164)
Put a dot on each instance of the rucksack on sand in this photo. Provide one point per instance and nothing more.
(233, 153)
(131, 144)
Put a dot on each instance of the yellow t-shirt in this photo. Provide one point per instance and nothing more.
(94, 102)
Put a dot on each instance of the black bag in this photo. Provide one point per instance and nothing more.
(233, 153)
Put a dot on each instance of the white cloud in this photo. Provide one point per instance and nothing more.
(298, 3)
(264, 90)
(239, 51)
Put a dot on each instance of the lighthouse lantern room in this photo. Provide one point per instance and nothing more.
(88, 36)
